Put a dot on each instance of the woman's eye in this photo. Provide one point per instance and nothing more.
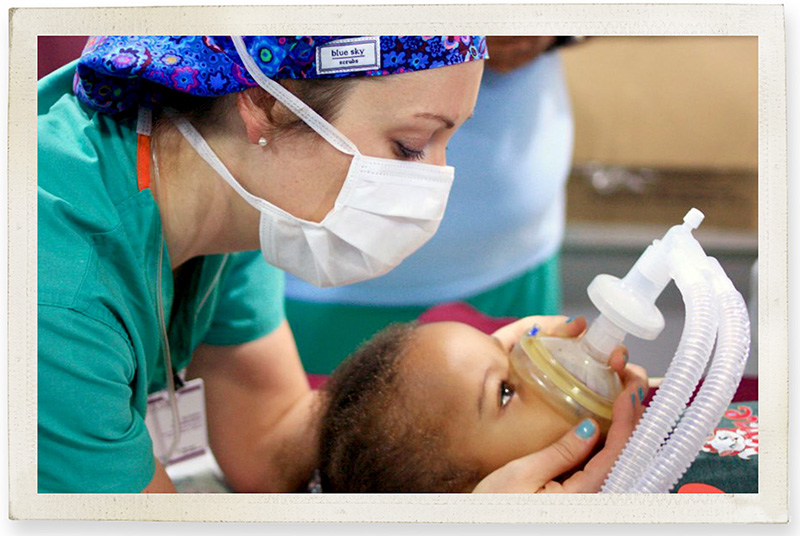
(506, 393)
(408, 153)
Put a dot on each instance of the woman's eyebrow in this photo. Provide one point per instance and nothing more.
(448, 123)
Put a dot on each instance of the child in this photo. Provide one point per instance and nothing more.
(437, 408)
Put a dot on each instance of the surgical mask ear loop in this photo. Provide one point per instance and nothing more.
(287, 98)
(173, 400)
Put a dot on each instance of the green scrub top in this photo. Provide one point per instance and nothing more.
(100, 350)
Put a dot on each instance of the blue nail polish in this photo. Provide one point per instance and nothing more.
(633, 400)
(534, 330)
(585, 429)
(641, 394)
(570, 319)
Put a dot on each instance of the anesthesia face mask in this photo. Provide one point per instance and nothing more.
(567, 378)
(573, 376)
(385, 210)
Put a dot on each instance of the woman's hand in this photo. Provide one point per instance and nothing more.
(536, 472)
(552, 326)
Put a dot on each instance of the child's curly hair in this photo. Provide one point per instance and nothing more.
(374, 439)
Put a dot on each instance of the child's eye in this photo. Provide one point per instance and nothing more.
(506, 393)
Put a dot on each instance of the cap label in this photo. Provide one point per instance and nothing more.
(349, 55)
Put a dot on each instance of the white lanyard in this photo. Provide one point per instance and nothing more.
(144, 127)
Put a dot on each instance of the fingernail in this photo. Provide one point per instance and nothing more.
(570, 319)
(641, 394)
(633, 400)
(585, 429)
(534, 330)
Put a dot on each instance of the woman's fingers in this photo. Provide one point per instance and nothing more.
(534, 472)
(627, 411)
(554, 326)
(570, 327)
(618, 359)
(634, 374)
(565, 454)
(509, 334)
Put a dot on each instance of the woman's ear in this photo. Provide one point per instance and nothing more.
(252, 105)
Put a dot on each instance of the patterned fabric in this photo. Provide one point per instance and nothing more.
(728, 461)
(111, 69)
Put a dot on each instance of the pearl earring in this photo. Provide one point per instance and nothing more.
(262, 141)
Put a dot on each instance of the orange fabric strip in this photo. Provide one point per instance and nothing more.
(143, 162)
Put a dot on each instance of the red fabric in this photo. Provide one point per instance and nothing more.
(53, 51)
(465, 313)
(317, 380)
(746, 392)
(697, 487)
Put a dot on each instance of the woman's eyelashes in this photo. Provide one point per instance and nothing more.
(506, 393)
(408, 153)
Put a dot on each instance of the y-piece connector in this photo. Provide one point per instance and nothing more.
(627, 305)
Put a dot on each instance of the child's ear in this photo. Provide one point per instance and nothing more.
(253, 105)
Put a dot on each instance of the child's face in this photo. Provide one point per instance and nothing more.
(490, 415)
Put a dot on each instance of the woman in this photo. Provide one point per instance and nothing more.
(122, 206)
(143, 175)
(513, 159)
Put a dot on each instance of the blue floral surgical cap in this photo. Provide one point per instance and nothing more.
(111, 69)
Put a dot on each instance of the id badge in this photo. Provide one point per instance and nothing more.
(193, 439)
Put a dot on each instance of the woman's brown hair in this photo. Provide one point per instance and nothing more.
(323, 95)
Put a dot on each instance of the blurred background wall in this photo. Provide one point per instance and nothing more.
(662, 124)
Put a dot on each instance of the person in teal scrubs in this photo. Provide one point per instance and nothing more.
(164, 164)
(146, 253)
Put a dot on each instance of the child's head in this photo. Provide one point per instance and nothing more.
(429, 408)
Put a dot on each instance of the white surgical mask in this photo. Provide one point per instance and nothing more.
(385, 210)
